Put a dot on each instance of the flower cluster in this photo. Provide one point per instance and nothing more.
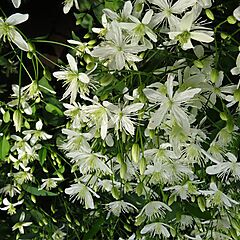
(143, 140)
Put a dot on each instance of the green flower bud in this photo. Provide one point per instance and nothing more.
(231, 20)
(209, 14)
(135, 152)
(17, 120)
(214, 75)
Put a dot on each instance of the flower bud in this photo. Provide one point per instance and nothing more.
(135, 152)
(17, 120)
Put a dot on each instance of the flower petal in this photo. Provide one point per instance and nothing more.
(17, 18)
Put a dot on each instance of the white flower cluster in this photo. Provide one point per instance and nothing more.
(140, 137)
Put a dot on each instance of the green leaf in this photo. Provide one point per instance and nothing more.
(53, 109)
(42, 155)
(36, 192)
(45, 87)
(4, 147)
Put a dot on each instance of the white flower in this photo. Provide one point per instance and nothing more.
(59, 234)
(186, 31)
(68, 4)
(89, 162)
(137, 30)
(172, 103)
(36, 135)
(9, 189)
(225, 169)
(79, 191)
(152, 210)
(116, 49)
(16, 3)
(167, 11)
(156, 228)
(122, 117)
(217, 197)
(123, 16)
(21, 224)
(21, 99)
(117, 207)
(7, 29)
(10, 207)
(236, 13)
(77, 82)
(76, 141)
(49, 183)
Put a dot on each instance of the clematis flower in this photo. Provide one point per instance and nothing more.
(68, 4)
(79, 191)
(172, 103)
(226, 168)
(116, 49)
(186, 31)
(117, 207)
(138, 29)
(8, 30)
(217, 197)
(21, 224)
(122, 118)
(16, 3)
(123, 16)
(10, 207)
(76, 81)
(156, 228)
(168, 11)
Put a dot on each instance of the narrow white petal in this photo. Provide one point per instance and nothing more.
(17, 18)
(201, 37)
(60, 75)
(67, 7)
(187, 21)
(157, 117)
(133, 108)
(72, 62)
(16, 38)
(16, 3)
(84, 78)
(181, 5)
(236, 13)
(147, 17)
(186, 95)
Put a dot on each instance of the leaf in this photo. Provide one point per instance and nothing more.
(45, 87)
(36, 192)
(4, 147)
(42, 155)
(53, 109)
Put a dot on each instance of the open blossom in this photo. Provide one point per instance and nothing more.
(170, 103)
(8, 30)
(21, 224)
(217, 197)
(168, 11)
(77, 82)
(156, 228)
(138, 29)
(118, 207)
(10, 207)
(186, 31)
(116, 49)
(79, 191)
(225, 169)
(152, 210)
(123, 117)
